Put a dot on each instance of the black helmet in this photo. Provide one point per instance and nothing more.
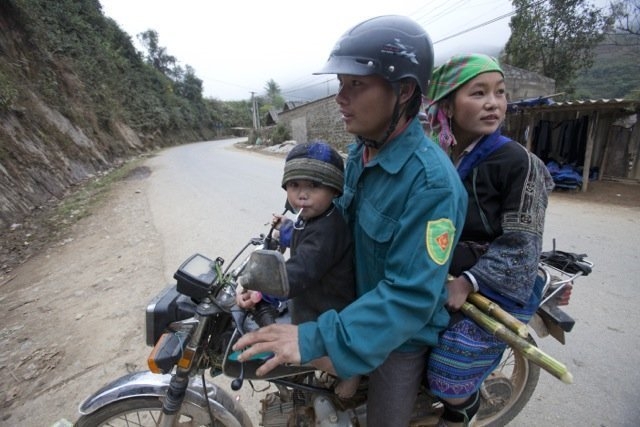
(392, 46)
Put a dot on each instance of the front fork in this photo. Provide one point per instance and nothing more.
(186, 365)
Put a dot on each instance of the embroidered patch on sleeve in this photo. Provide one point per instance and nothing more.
(439, 239)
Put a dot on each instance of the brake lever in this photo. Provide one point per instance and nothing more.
(239, 316)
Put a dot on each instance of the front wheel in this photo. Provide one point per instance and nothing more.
(507, 389)
(143, 412)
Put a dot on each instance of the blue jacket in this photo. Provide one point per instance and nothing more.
(406, 209)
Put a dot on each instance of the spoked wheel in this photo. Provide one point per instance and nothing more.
(507, 389)
(142, 412)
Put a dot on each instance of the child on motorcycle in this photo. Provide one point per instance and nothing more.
(320, 266)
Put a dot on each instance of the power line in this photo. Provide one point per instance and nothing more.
(491, 21)
(231, 84)
(435, 15)
(308, 86)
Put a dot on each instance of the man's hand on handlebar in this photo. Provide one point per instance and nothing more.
(280, 339)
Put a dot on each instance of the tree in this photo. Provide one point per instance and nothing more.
(555, 37)
(228, 114)
(273, 95)
(157, 55)
(627, 17)
(615, 70)
(189, 85)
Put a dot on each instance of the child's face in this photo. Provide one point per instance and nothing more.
(312, 197)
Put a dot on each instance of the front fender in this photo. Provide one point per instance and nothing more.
(146, 383)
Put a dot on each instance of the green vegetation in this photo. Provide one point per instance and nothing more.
(84, 56)
(614, 73)
(76, 97)
(590, 52)
(8, 92)
(556, 38)
(270, 136)
(273, 98)
(615, 69)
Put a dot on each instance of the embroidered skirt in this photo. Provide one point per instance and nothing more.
(466, 354)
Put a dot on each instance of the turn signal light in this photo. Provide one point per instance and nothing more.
(166, 353)
(187, 358)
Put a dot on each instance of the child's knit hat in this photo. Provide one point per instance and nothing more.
(315, 161)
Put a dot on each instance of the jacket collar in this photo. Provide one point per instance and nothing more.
(396, 152)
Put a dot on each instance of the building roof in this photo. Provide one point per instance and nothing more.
(290, 105)
(547, 104)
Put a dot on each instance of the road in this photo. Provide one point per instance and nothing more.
(211, 198)
(602, 349)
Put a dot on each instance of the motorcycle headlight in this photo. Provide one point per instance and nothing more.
(168, 306)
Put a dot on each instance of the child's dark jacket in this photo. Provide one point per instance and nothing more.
(320, 268)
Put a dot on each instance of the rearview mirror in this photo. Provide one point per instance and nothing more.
(266, 272)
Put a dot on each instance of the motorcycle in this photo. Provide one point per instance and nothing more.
(193, 324)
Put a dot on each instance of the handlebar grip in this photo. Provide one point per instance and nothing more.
(264, 314)
(271, 243)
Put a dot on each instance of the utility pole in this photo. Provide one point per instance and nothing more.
(254, 108)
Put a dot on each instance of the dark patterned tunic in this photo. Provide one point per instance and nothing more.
(508, 195)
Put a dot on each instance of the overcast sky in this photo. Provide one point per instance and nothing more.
(236, 46)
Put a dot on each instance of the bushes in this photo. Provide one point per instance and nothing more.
(273, 135)
(280, 134)
(8, 92)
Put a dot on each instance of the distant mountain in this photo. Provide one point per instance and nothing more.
(614, 73)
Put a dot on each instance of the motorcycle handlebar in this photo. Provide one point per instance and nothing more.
(264, 314)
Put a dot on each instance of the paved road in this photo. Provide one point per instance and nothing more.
(201, 191)
(602, 350)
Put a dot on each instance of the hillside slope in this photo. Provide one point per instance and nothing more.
(75, 100)
(614, 73)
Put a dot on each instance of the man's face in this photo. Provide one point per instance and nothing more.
(366, 104)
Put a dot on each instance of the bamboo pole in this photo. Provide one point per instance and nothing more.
(531, 352)
(494, 310)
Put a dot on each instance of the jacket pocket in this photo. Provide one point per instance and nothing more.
(378, 227)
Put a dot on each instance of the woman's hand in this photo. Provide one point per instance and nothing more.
(279, 339)
(458, 288)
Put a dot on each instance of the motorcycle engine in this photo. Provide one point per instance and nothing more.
(276, 413)
(303, 409)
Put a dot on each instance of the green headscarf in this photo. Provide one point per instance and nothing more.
(447, 78)
(457, 71)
